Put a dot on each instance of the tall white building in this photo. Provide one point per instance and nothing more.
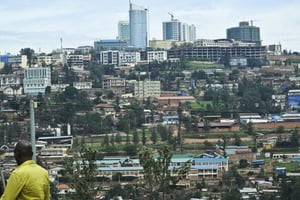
(139, 26)
(192, 33)
(36, 80)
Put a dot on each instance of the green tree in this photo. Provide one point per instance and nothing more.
(296, 190)
(135, 137)
(243, 163)
(81, 171)
(162, 132)
(7, 69)
(144, 139)
(110, 94)
(131, 149)
(249, 128)
(153, 136)
(156, 171)
(106, 140)
(233, 194)
(30, 55)
(118, 138)
(295, 138)
(112, 139)
(237, 139)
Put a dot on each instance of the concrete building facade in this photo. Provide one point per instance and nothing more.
(36, 80)
(147, 88)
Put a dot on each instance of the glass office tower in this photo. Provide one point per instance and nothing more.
(123, 31)
(139, 30)
(245, 32)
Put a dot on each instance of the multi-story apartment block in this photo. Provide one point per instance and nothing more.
(164, 44)
(158, 56)
(44, 60)
(58, 57)
(109, 57)
(59, 87)
(82, 85)
(221, 43)
(86, 58)
(68, 51)
(75, 61)
(103, 45)
(199, 168)
(129, 58)
(11, 84)
(84, 50)
(115, 84)
(147, 88)
(215, 53)
(18, 61)
(36, 80)
(119, 58)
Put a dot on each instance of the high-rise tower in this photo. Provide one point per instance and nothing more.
(245, 33)
(172, 30)
(178, 31)
(139, 26)
(123, 31)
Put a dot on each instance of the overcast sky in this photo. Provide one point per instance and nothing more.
(39, 24)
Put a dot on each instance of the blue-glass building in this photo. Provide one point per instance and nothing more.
(245, 33)
(139, 27)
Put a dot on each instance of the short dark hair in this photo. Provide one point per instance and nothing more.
(23, 148)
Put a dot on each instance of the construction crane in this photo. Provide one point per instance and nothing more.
(172, 16)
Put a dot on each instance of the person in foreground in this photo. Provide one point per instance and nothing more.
(28, 180)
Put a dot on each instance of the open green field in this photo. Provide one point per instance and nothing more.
(202, 65)
(200, 105)
(290, 166)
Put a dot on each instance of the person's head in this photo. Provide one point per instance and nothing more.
(23, 151)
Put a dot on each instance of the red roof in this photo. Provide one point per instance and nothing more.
(62, 186)
(176, 98)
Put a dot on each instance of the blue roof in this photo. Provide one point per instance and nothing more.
(174, 167)
(210, 159)
(237, 147)
(230, 151)
(108, 162)
(257, 161)
(204, 167)
(120, 169)
(296, 159)
(110, 40)
(180, 160)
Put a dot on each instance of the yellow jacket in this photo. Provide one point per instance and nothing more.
(28, 181)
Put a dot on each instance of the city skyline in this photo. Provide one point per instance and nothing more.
(41, 24)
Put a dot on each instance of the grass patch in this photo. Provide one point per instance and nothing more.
(290, 166)
(283, 150)
(200, 105)
(228, 134)
(202, 65)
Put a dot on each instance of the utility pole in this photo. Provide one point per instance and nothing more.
(32, 130)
